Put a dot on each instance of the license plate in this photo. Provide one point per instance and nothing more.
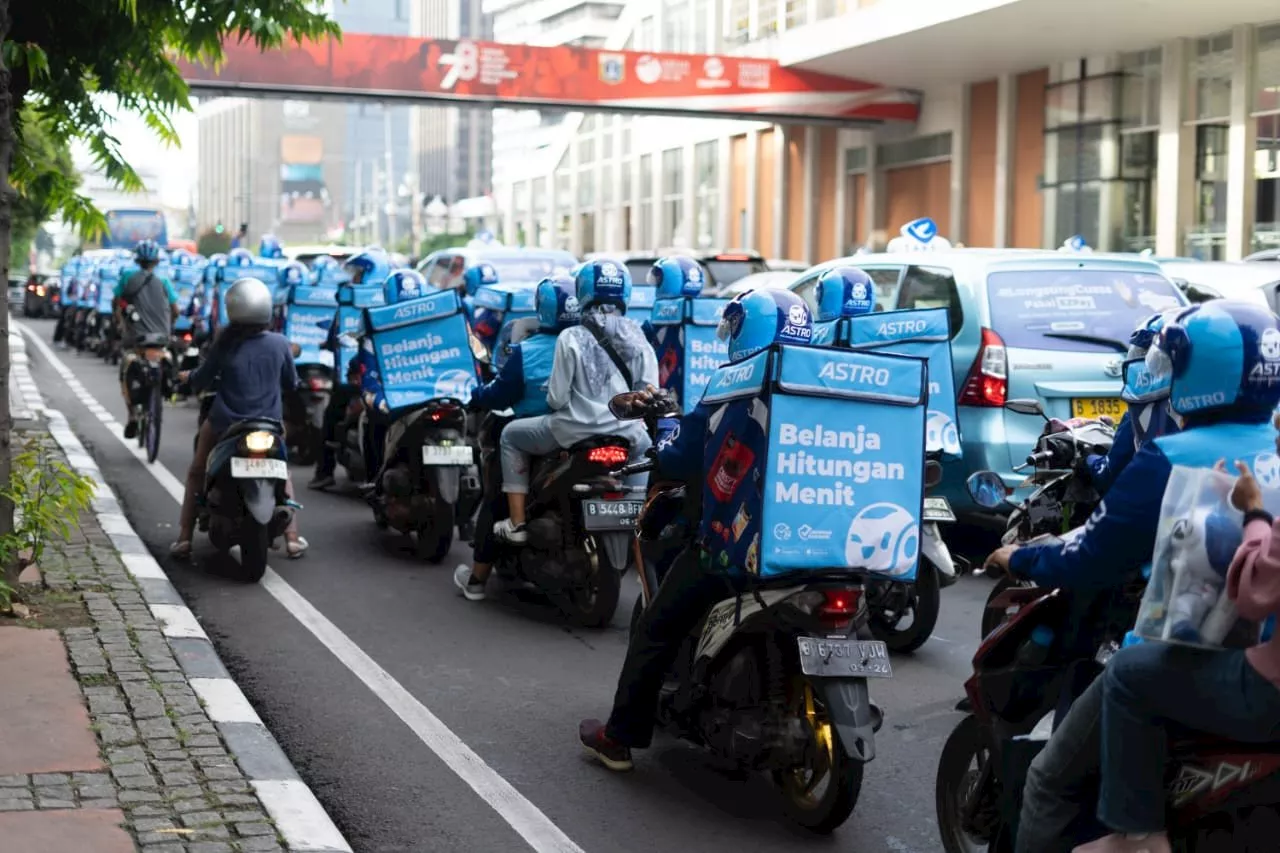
(611, 515)
(438, 454)
(193, 352)
(836, 658)
(937, 509)
(272, 469)
(1096, 407)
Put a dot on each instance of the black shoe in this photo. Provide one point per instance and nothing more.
(610, 753)
(131, 429)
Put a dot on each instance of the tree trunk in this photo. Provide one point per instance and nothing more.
(6, 238)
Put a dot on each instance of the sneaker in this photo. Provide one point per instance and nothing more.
(321, 481)
(131, 429)
(1146, 842)
(608, 751)
(508, 531)
(472, 588)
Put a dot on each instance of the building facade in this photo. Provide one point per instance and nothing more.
(1037, 123)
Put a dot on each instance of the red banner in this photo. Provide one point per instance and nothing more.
(400, 67)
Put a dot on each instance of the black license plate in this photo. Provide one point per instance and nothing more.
(610, 515)
(844, 658)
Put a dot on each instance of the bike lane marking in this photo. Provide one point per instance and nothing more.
(528, 821)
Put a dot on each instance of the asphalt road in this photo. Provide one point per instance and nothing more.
(507, 677)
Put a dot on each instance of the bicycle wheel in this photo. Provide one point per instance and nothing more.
(155, 413)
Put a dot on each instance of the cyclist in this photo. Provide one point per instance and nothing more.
(145, 307)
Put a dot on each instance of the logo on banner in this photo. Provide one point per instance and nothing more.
(713, 67)
(648, 70)
(463, 64)
(613, 68)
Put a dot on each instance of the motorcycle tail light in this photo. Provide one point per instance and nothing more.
(611, 455)
(839, 604)
(259, 442)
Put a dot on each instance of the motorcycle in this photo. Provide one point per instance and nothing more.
(427, 455)
(1062, 498)
(893, 603)
(185, 354)
(244, 501)
(774, 679)
(1222, 796)
(579, 521)
(304, 412)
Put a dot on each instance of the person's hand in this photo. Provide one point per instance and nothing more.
(184, 375)
(1246, 494)
(999, 559)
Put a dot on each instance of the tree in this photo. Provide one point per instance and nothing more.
(213, 243)
(67, 60)
(38, 201)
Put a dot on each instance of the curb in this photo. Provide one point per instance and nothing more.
(298, 815)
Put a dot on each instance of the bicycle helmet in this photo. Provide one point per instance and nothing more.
(845, 292)
(404, 285)
(473, 278)
(147, 251)
(249, 303)
(270, 247)
(370, 266)
(1220, 356)
(557, 303)
(760, 318)
(676, 275)
(603, 282)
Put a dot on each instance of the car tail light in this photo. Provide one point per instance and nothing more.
(988, 381)
(611, 455)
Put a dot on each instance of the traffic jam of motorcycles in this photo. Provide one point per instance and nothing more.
(790, 480)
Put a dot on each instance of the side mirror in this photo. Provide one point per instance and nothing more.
(1025, 407)
(621, 407)
(347, 341)
(986, 488)
(932, 473)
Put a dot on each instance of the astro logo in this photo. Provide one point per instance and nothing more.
(858, 291)
(456, 384)
(941, 433)
(571, 306)
(796, 315)
(1269, 346)
(797, 326)
(1266, 470)
(781, 532)
(924, 229)
(608, 271)
(884, 537)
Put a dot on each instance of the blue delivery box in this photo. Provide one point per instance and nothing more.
(306, 322)
(687, 345)
(815, 463)
(423, 349)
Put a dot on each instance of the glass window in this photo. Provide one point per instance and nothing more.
(737, 21)
(673, 194)
(1059, 309)
(932, 287)
(831, 8)
(1079, 153)
(606, 185)
(766, 17)
(1211, 78)
(701, 26)
(586, 151)
(672, 171)
(586, 189)
(675, 26)
(855, 160)
(1077, 210)
(1061, 105)
(539, 197)
(1141, 88)
(606, 145)
(1267, 186)
(796, 13)
(646, 177)
(563, 198)
(931, 147)
(645, 33)
(1267, 94)
(1138, 154)
(706, 192)
(626, 181)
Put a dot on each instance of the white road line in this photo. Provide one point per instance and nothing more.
(538, 831)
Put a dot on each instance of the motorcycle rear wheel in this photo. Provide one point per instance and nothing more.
(925, 600)
(254, 543)
(819, 797)
(434, 539)
(593, 604)
(957, 784)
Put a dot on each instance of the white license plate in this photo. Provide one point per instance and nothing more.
(272, 469)
(937, 509)
(611, 515)
(193, 352)
(456, 454)
(844, 658)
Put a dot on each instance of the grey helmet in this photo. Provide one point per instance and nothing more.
(248, 302)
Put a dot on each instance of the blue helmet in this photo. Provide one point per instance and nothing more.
(294, 273)
(239, 258)
(370, 266)
(270, 247)
(182, 258)
(760, 318)
(845, 292)
(324, 262)
(147, 251)
(1220, 356)
(557, 303)
(602, 282)
(677, 276)
(404, 285)
(477, 276)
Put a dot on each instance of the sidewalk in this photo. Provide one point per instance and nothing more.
(119, 728)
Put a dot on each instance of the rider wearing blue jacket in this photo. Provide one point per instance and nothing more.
(1221, 361)
(521, 385)
(485, 322)
(751, 322)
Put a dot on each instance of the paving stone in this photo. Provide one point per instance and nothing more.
(150, 824)
(133, 768)
(159, 839)
(185, 792)
(251, 829)
(179, 779)
(56, 792)
(191, 806)
(134, 796)
(99, 804)
(97, 792)
(90, 779)
(262, 844)
(50, 779)
(55, 804)
(19, 781)
(205, 745)
(166, 846)
(126, 754)
(148, 811)
(16, 805)
(224, 787)
(205, 818)
(221, 772)
(211, 833)
(15, 793)
(236, 800)
(209, 847)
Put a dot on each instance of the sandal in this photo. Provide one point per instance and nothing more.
(181, 549)
(295, 548)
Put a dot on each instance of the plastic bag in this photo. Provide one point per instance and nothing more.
(1186, 597)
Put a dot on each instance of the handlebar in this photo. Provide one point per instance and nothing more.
(641, 467)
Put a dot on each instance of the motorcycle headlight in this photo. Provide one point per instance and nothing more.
(259, 442)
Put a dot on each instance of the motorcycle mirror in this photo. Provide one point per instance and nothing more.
(987, 489)
(348, 341)
(932, 473)
(1025, 407)
(620, 408)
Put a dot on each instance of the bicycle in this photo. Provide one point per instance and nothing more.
(149, 413)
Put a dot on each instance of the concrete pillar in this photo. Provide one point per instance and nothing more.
(616, 239)
(1006, 126)
(840, 220)
(960, 171)
(753, 189)
(1242, 142)
(530, 215)
(659, 214)
(810, 224)
(508, 216)
(724, 191)
(549, 237)
(1175, 151)
(874, 201)
(575, 181)
(782, 188)
(637, 230)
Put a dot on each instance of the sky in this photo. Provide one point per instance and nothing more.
(174, 168)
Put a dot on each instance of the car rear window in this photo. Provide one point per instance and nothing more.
(519, 269)
(639, 270)
(727, 271)
(1089, 310)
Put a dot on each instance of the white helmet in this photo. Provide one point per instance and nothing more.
(248, 302)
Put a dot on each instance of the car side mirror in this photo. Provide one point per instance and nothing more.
(987, 489)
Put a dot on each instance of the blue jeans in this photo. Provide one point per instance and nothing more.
(1150, 685)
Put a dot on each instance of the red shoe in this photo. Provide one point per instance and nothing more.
(610, 753)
